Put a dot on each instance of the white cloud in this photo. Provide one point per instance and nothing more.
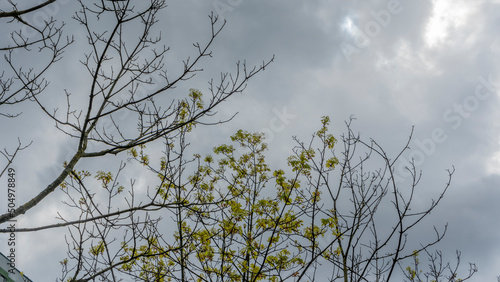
(349, 26)
(447, 18)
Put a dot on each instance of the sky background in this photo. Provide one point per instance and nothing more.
(389, 64)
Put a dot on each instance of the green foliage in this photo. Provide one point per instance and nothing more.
(244, 221)
(149, 259)
(235, 218)
(189, 107)
(98, 249)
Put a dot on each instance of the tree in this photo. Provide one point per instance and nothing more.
(234, 217)
(17, 82)
(127, 74)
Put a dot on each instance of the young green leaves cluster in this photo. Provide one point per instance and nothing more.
(243, 221)
(237, 219)
(189, 107)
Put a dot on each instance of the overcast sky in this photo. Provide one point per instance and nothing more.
(390, 64)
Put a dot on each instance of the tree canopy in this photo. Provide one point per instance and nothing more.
(222, 216)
